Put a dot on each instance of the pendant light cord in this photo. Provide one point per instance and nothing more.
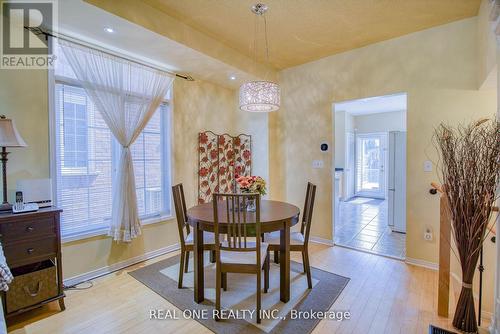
(265, 35)
(256, 34)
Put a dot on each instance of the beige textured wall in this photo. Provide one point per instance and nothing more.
(198, 106)
(436, 67)
(23, 97)
(276, 154)
(256, 125)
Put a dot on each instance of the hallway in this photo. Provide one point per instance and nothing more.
(363, 225)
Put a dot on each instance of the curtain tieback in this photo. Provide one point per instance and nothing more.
(466, 285)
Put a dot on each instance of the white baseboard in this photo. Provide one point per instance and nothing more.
(322, 241)
(119, 265)
(422, 263)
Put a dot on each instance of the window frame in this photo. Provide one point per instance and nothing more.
(166, 160)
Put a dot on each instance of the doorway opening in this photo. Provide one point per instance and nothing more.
(370, 174)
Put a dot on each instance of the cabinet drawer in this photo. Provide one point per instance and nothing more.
(27, 229)
(26, 251)
(32, 284)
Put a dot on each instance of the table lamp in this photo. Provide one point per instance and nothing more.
(9, 137)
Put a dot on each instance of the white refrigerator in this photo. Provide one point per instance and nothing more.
(397, 181)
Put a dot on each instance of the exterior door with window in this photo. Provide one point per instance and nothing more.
(370, 165)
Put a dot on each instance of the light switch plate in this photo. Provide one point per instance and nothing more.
(318, 164)
(427, 166)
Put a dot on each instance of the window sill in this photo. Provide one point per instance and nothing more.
(155, 220)
(104, 231)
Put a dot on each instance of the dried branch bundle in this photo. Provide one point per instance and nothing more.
(470, 172)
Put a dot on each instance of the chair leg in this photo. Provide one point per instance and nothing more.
(266, 273)
(308, 268)
(181, 269)
(186, 262)
(276, 257)
(258, 306)
(304, 262)
(212, 256)
(218, 279)
(224, 281)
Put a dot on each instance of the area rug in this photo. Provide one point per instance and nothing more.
(301, 314)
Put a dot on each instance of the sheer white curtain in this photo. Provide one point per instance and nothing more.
(127, 95)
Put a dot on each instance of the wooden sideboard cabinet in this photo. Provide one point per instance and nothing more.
(32, 246)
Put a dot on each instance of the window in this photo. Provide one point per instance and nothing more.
(86, 155)
(75, 130)
(147, 156)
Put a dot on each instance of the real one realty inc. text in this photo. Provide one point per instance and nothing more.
(223, 314)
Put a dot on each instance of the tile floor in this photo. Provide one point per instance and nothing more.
(363, 225)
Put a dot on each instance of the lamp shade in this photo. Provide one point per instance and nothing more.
(259, 96)
(9, 136)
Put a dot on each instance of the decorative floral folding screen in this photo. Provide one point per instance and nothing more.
(220, 158)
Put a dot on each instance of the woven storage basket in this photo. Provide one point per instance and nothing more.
(31, 285)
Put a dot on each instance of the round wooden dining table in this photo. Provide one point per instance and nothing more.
(274, 216)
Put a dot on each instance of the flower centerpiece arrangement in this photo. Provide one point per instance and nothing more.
(251, 184)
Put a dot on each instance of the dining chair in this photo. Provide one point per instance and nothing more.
(185, 235)
(299, 241)
(242, 251)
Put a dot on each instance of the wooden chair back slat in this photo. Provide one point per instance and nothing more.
(306, 207)
(308, 211)
(238, 223)
(244, 222)
(180, 212)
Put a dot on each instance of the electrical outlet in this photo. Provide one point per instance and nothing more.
(428, 235)
(317, 164)
(427, 166)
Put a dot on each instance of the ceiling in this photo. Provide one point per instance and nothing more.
(373, 105)
(82, 21)
(304, 30)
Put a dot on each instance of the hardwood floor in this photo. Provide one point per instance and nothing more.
(383, 296)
